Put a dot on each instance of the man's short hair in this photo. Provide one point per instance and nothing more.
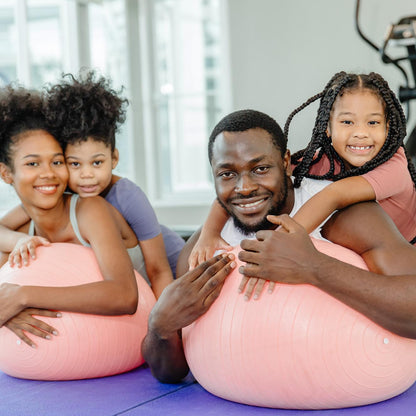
(243, 120)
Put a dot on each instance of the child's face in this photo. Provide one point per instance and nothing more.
(357, 126)
(90, 166)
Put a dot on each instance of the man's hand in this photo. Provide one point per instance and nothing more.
(190, 296)
(286, 255)
(180, 304)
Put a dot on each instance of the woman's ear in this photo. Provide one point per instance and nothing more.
(6, 174)
(115, 158)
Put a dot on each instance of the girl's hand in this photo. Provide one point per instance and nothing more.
(205, 248)
(25, 322)
(254, 284)
(25, 248)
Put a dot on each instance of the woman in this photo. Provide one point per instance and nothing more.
(32, 161)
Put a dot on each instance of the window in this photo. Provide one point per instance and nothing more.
(30, 52)
(168, 55)
(187, 95)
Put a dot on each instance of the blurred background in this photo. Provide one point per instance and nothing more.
(186, 63)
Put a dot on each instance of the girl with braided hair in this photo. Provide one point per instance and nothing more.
(357, 142)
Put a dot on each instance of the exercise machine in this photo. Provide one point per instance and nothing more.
(401, 34)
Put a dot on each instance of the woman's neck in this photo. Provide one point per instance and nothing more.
(53, 223)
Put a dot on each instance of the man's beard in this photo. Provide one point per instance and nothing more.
(264, 224)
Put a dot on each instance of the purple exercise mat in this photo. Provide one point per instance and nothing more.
(138, 393)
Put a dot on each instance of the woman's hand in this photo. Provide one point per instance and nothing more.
(25, 249)
(25, 322)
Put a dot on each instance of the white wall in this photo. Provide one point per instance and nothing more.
(284, 51)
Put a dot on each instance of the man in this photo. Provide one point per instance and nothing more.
(251, 168)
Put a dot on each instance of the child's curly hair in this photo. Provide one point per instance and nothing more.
(85, 107)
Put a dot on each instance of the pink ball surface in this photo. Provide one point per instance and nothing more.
(87, 345)
(296, 348)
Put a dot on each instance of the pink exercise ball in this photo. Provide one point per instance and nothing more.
(87, 345)
(297, 348)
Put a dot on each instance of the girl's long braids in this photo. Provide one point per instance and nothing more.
(320, 143)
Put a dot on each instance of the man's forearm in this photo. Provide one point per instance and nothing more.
(386, 300)
(165, 357)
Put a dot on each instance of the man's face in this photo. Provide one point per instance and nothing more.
(251, 178)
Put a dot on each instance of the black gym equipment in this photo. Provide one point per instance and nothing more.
(403, 33)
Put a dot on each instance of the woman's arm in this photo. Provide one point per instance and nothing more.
(210, 239)
(18, 244)
(157, 265)
(335, 196)
(116, 294)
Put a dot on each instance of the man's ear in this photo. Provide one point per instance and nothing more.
(115, 158)
(287, 165)
(6, 174)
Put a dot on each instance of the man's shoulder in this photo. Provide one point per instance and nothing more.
(307, 189)
(313, 186)
(363, 227)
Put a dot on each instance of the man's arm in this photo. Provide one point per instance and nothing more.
(386, 295)
(181, 303)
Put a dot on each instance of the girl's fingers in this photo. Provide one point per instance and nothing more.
(251, 284)
(243, 283)
(259, 288)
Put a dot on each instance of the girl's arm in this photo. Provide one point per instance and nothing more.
(335, 196)
(20, 245)
(116, 294)
(157, 265)
(210, 239)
